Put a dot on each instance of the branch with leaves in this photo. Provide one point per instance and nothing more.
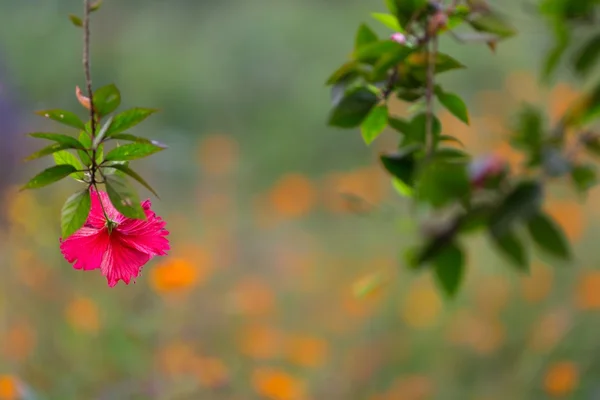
(96, 158)
(460, 196)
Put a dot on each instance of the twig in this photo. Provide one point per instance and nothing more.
(429, 139)
(86, 63)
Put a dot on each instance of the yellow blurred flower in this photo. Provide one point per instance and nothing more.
(355, 191)
(9, 388)
(549, 330)
(492, 294)
(537, 286)
(292, 196)
(176, 358)
(19, 341)
(484, 334)
(218, 154)
(569, 215)
(412, 387)
(277, 385)
(211, 372)
(260, 341)
(82, 314)
(306, 351)
(253, 297)
(561, 379)
(175, 275)
(422, 305)
(587, 292)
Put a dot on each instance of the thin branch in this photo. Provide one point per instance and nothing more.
(86, 62)
(432, 53)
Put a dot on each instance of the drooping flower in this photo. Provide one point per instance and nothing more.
(119, 246)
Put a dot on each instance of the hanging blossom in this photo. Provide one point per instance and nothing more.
(117, 245)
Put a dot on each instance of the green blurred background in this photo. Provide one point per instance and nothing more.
(275, 220)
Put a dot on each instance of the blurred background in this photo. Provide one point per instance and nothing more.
(275, 220)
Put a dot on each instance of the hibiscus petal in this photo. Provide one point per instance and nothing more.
(85, 247)
(121, 262)
(148, 236)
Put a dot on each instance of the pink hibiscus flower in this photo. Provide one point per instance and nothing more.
(119, 252)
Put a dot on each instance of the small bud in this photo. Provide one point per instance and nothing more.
(398, 38)
(484, 170)
(85, 101)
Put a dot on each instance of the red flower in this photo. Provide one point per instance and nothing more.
(119, 246)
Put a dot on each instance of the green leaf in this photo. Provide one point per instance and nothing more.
(548, 235)
(106, 99)
(441, 182)
(388, 20)
(512, 248)
(53, 148)
(402, 164)
(399, 124)
(75, 20)
(417, 130)
(492, 23)
(49, 175)
(443, 63)
(407, 10)
(100, 135)
(519, 205)
(64, 157)
(132, 151)
(452, 154)
(124, 197)
(562, 36)
(64, 117)
(402, 188)
(85, 139)
(529, 130)
(410, 96)
(584, 177)
(108, 168)
(454, 104)
(132, 138)
(389, 60)
(588, 55)
(449, 267)
(348, 69)
(95, 6)
(75, 212)
(364, 36)
(125, 169)
(447, 138)
(373, 51)
(374, 124)
(128, 119)
(69, 141)
(353, 108)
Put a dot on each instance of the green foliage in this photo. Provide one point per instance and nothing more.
(548, 236)
(472, 196)
(375, 123)
(64, 117)
(454, 104)
(75, 212)
(449, 267)
(94, 167)
(50, 175)
(124, 197)
(353, 108)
